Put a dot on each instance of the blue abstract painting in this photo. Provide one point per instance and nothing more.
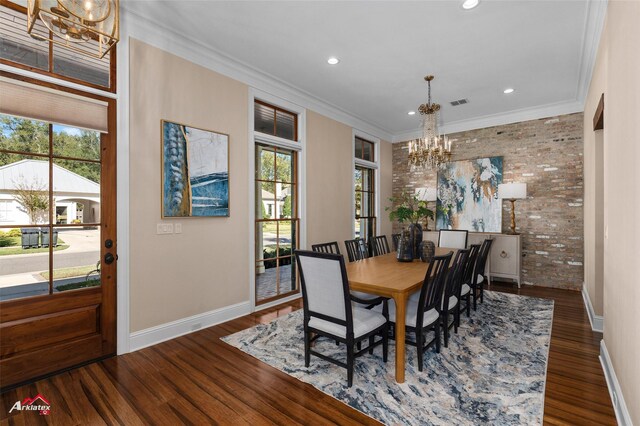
(468, 195)
(195, 172)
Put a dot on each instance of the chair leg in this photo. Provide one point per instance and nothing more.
(359, 345)
(456, 319)
(350, 364)
(482, 293)
(475, 299)
(468, 304)
(420, 348)
(437, 336)
(307, 348)
(371, 345)
(385, 343)
(445, 323)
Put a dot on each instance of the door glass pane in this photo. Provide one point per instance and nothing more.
(17, 45)
(263, 118)
(76, 143)
(266, 238)
(265, 200)
(285, 125)
(367, 153)
(286, 237)
(358, 149)
(285, 196)
(284, 166)
(23, 135)
(79, 265)
(24, 190)
(72, 64)
(266, 280)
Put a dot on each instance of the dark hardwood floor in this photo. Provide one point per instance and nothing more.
(198, 379)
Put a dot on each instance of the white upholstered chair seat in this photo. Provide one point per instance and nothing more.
(411, 316)
(452, 302)
(480, 279)
(365, 296)
(364, 321)
(465, 289)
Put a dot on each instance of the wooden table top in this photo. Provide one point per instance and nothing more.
(384, 275)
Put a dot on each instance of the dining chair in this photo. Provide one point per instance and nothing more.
(379, 245)
(478, 277)
(329, 312)
(356, 249)
(331, 247)
(395, 238)
(423, 308)
(450, 299)
(453, 238)
(465, 289)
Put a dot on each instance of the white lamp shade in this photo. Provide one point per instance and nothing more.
(427, 194)
(512, 191)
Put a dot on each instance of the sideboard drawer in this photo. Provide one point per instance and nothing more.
(504, 252)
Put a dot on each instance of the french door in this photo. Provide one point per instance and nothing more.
(57, 245)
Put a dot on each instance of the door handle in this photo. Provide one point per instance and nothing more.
(109, 258)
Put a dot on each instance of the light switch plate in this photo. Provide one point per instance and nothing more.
(178, 228)
(164, 228)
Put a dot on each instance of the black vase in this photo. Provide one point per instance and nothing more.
(415, 236)
(405, 247)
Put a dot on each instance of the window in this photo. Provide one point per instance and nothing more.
(19, 49)
(276, 202)
(364, 149)
(275, 121)
(365, 203)
(5, 210)
(365, 226)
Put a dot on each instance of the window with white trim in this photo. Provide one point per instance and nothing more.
(277, 221)
(365, 188)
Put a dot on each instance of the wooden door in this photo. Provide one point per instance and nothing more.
(57, 302)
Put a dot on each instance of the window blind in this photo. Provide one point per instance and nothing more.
(27, 100)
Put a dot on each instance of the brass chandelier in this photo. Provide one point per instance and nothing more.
(431, 150)
(90, 27)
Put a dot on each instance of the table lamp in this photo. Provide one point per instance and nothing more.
(512, 192)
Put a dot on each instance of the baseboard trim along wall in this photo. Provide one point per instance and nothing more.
(597, 321)
(619, 406)
(154, 335)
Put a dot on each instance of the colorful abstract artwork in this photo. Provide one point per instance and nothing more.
(468, 195)
(195, 172)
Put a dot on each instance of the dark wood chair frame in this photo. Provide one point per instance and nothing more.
(477, 289)
(466, 236)
(356, 249)
(474, 250)
(331, 247)
(430, 298)
(452, 288)
(379, 245)
(312, 334)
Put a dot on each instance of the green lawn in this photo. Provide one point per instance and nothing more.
(17, 248)
(77, 271)
(270, 227)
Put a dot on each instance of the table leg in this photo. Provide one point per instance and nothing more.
(401, 305)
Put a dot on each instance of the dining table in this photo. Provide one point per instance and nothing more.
(385, 276)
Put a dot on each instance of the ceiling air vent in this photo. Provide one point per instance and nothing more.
(459, 102)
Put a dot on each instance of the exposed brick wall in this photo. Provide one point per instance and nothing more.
(547, 155)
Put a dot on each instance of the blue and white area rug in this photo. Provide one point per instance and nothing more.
(493, 372)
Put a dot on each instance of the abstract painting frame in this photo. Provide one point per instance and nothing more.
(195, 171)
(468, 195)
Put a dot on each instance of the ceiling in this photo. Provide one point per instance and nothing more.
(386, 48)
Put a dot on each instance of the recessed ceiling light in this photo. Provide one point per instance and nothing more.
(470, 4)
(411, 113)
(509, 90)
(333, 61)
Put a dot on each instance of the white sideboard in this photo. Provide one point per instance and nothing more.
(505, 259)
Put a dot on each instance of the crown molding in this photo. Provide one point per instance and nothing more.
(141, 28)
(500, 119)
(593, 26)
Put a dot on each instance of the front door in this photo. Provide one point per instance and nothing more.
(57, 246)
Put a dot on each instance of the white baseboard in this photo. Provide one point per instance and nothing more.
(597, 321)
(619, 406)
(278, 302)
(171, 330)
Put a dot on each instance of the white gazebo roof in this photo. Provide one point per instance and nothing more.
(36, 172)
